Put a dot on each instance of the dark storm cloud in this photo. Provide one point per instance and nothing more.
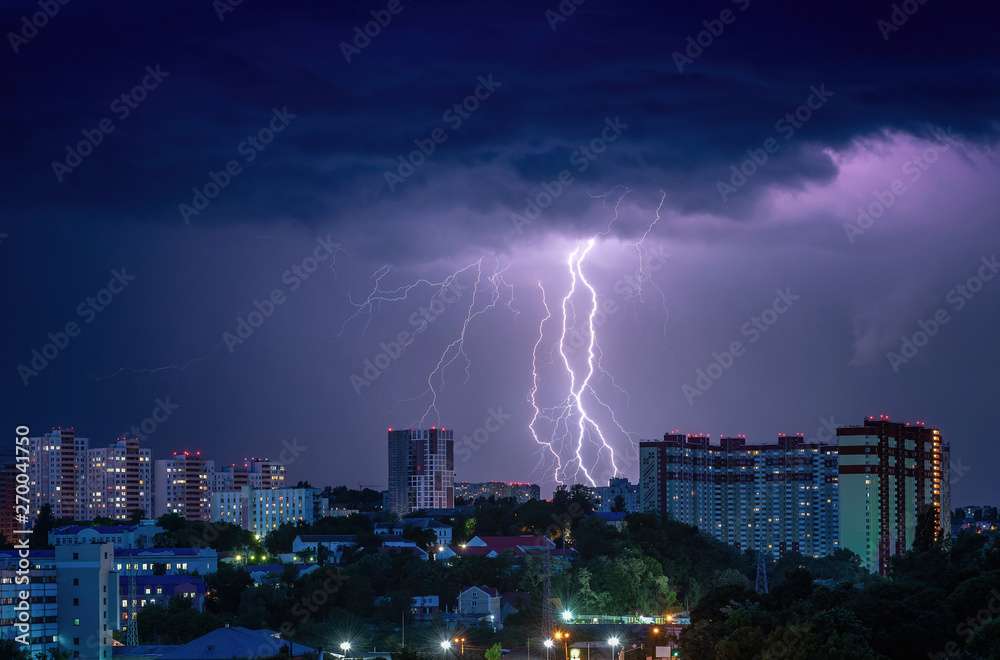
(685, 129)
(349, 123)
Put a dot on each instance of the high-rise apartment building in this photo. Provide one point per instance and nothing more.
(119, 481)
(772, 498)
(57, 469)
(182, 485)
(253, 472)
(8, 484)
(890, 473)
(421, 470)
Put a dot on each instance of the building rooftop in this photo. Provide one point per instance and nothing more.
(235, 642)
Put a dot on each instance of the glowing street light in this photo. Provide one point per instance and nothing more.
(548, 645)
(345, 647)
(445, 645)
(567, 615)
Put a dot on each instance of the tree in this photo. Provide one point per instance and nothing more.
(927, 525)
(11, 649)
(44, 523)
(493, 653)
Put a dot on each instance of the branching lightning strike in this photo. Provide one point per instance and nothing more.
(574, 427)
(495, 289)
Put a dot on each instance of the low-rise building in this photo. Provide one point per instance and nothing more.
(424, 608)
(481, 604)
(263, 510)
(73, 596)
(166, 561)
(335, 543)
(442, 532)
(158, 590)
(141, 535)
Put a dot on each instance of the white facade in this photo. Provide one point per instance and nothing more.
(87, 598)
(421, 470)
(57, 469)
(119, 536)
(182, 485)
(262, 511)
(119, 481)
(482, 603)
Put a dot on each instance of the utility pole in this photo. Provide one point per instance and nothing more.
(547, 595)
(132, 631)
(761, 582)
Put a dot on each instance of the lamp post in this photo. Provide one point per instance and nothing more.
(564, 636)
(548, 645)
(613, 642)
(445, 647)
(461, 642)
(345, 647)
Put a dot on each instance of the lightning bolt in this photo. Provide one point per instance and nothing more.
(574, 426)
(533, 394)
(490, 288)
(644, 276)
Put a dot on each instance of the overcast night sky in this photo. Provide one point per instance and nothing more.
(209, 194)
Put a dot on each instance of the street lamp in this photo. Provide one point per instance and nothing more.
(445, 645)
(613, 642)
(461, 642)
(567, 615)
(548, 645)
(345, 647)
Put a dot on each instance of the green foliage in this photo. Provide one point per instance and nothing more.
(225, 587)
(493, 653)
(181, 533)
(931, 604)
(175, 623)
(345, 498)
(13, 650)
(280, 540)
